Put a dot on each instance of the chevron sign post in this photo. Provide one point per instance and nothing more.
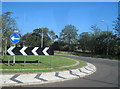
(29, 51)
(14, 38)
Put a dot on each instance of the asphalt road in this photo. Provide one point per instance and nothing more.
(105, 76)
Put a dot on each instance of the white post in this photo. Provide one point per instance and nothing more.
(38, 60)
(24, 61)
(14, 59)
(8, 60)
(51, 60)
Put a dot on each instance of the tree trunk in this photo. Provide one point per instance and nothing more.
(6, 47)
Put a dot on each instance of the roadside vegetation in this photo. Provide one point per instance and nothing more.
(96, 43)
(85, 54)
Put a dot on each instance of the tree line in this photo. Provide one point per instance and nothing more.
(95, 42)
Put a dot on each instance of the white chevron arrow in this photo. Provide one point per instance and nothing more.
(13, 38)
(10, 50)
(44, 51)
(34, 51)
(23, 50)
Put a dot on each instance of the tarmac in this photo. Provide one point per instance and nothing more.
(46, 77)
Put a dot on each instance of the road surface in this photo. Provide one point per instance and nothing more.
(105, 76)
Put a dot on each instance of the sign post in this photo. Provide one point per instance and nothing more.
(14, 60)
(24, 61)
(8, 60)
(14, 38)
(51, 60)
(38, 60)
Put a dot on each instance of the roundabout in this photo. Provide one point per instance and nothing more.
(105, 76)
(19, 79)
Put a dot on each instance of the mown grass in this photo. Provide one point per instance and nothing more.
(32, 63)
(82, 63)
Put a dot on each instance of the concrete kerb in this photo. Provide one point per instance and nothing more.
(89, 69)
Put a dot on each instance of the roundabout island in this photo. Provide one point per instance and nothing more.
(61, 69)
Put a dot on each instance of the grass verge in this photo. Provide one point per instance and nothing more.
(88, 55)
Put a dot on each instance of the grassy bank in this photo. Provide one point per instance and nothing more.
(85, 54)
